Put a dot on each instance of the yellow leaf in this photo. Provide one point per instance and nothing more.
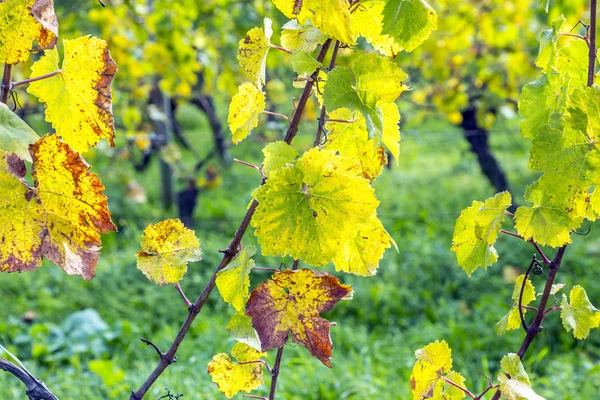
(332, 17)
(291, 304)
(78, 100)
(244, 109)
(310, 209)
(232, 377)
(367, 21)
(21, 23)
(61, 217)
(252, 53)
(233, 281)
(305, 38)
(360, 255)
(433, 360)
(167, 247)
(277, 155)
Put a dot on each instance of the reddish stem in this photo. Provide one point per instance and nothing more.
(37, 78)
(273, 46)
(467, 392)
(183, 296)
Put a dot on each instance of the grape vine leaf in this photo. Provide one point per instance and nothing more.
(372, 80)
(245, 107)
(579, 316)
(240, 328)
(451, 392)
(409, 22)
(78, 100)
(291, 304)
(548, 52)
(167, 247)
(21, 23)
(233, 281)
(61, 217)
(15, 134)
(304, 38)
(252, 52)
(476, 232)
(367, 21)
(433, 361)
(303, 63)
(233, 377)
(277, 155)
(512, 320)
(332, 17)
(310, 209)
(360, 254)
(514, 382)
(542, 102)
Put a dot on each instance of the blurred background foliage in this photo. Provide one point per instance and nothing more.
(177, 73)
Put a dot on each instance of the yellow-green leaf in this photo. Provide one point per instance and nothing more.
(528, 291)
(476, 231)
(240, 328)
(367, 21)
(291, 304)
(512, 320)
(252, 52)
(277, 155)
(78, 100)
(61, 217)
(15, 134)
(21, 23)
(433, 360)
(233, 281)
(579, 315)
(409, 22)
(232, 377)
(332, 17)
(305, 38)
(244, 110)
(310, 209)
(167, 247)
(514, 382)
(303, 63)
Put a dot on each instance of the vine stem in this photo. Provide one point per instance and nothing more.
(592, 44)
(275, 373)
(5, 87)
(36, 390)
(323, 109)
(229, 253)
(37, 78)
(534, 329)
(465, 390)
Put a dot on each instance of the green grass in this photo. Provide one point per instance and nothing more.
(419, 294)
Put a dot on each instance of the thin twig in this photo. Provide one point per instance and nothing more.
(534, 261)
(591, 36)
(265, 269)
(247, 164)
(512, 234)
(467, 391)
(343, 121)
(187, 302)
(273, 46)
(35, 79)
(254, 397)
(573, 35)
(321, 120)
(263, 362)
(276, 114)
(533, 242)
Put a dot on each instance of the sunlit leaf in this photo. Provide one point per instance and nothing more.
(277, 155)
(303, 38)
(61, 217)
(233, 281)
(15, 134)
(409, 22)
(303, 63)
(291, 304)
(232, 377)
(244, 110)
(367, 21)
(579, 315)
(167, 247)
(23, 22)
(433, 361)
(252, 52)
(240, 328)
(514, 382)
(78, 100)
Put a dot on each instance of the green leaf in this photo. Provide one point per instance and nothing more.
(303, 63)
(476, 231)
(579, 316)
(514, 382)
(240, 328)
(409, 22)
(278, 155)
(373, 79)
(15, 134)
(548, 53)
(542, 102)
(303, 38)
(233, 281)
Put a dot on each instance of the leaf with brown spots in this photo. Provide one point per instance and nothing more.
(21, 23)
(60, 217)
(291, 303)
(78, 99)
(252, 53)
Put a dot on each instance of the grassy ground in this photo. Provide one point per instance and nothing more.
(84, 337)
